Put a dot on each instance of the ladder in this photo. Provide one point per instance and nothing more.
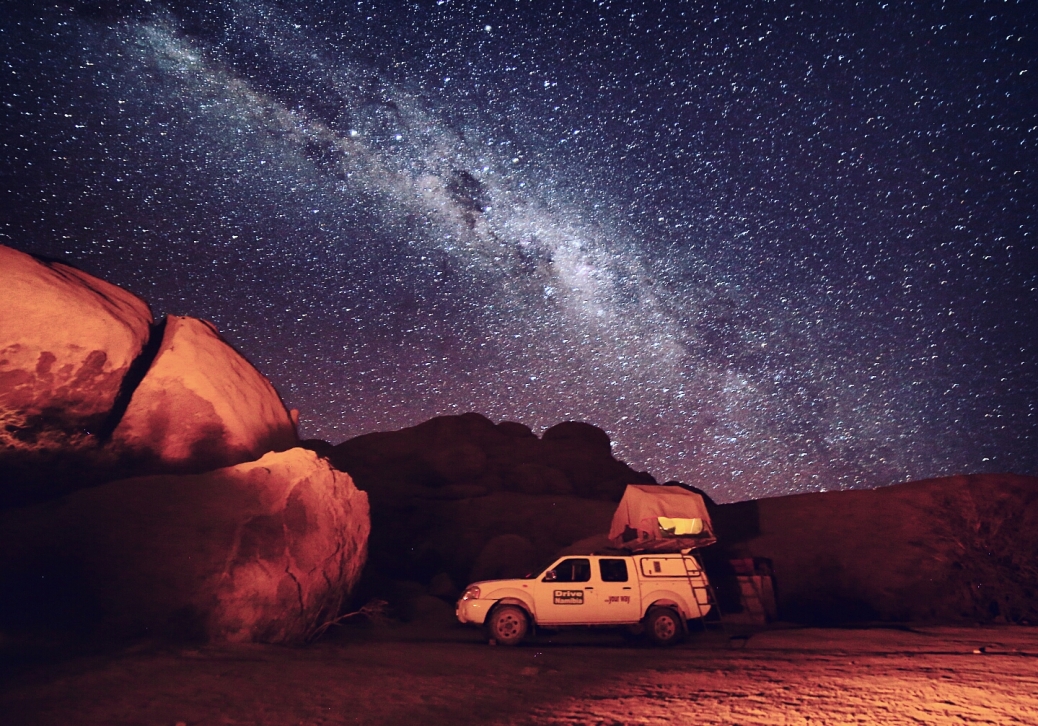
(752, 599)
(704, 592)
(756, 593)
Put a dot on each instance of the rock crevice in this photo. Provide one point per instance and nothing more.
(133, 496)
(92, 389)
(134, 375)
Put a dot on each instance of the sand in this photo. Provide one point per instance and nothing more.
(413, 675)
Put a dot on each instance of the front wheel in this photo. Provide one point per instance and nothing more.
(663, 626)
(508, 625)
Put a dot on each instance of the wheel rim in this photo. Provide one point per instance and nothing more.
(509, 625)
(664, 627)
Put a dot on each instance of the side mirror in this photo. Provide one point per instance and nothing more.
(550, 576)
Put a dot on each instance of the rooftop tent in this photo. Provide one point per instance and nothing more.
(661, 518)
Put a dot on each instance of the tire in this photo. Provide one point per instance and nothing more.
(664, 626)
(508, 625)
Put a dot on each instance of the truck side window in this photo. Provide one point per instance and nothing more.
(573, 570)
(613, 570)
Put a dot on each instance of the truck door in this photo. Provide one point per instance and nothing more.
(617, 595)
(565, 593)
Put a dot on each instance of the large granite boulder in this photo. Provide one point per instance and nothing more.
(584, 454)
(443, 491)
(510, 532)
(91, 390)
(67, 342)
(456, 457)
(201, 406)
(92, 393)
(262, 551)
(951, 549)
(505, 557)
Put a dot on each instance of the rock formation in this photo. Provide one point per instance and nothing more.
(460, 497)
(446, 494)
(67, 343)
(92, 397)
(91, 390)
(952, 549)
(201, 406)
(262, 551)
(457, 457)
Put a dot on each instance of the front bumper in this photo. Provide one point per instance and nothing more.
(473, 611)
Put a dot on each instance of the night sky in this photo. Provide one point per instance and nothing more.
(768, 247)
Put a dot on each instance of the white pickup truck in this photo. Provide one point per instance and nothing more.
(660, 591)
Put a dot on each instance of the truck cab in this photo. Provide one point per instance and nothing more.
(661, 591)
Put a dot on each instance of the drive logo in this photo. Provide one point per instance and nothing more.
(569, 597)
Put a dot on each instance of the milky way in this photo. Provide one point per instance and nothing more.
(767, 249)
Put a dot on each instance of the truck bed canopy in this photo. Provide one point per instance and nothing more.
(661, 519)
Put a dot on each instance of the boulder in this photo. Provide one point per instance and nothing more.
(460, 543)
(457, 462)
(442, 490)
(538, 479)
(952, 549)
(201, 406)
(583, 435)
(504, 557)
(516, 429)
(469, 449)
(262, 551)
(583, 453)
(67, 343)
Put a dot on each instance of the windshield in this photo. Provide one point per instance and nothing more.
(541, 569)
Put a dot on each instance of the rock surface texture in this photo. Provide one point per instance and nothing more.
(941, 550)
(93, 395)
(262, 551)
(464, 497)
(201, 406)
(91, 390)
(67, 342)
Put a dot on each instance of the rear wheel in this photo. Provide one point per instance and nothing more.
(663, 626)
(508, 625)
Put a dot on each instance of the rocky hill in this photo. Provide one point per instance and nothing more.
(459, 498)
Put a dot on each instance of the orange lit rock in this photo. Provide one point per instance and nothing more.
(67, 340)
(263, 551)
(201, 405)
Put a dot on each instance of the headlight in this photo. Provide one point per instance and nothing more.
(471, 593)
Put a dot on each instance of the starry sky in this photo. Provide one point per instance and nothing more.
(769, 247)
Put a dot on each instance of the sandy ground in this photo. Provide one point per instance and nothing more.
(406, 675)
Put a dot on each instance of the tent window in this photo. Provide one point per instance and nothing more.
(573, 570)
(613, 570)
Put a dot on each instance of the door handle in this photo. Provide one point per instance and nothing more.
(589, 588)
(627, 588)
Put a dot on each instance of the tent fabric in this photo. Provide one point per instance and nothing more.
(677, 526)
(657, 518)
